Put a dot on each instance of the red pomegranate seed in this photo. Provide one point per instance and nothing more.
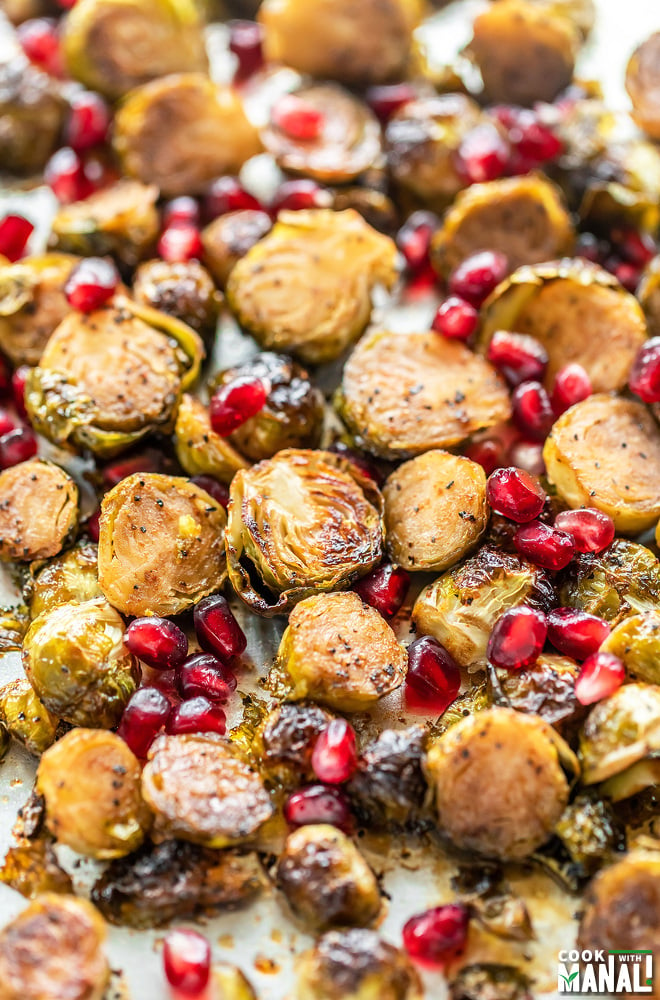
(488, 453)
(214, 488)
(5, 378)
(518, 357)
(362, 461)
(318, 804)
(295, 196)
(628, 275)
(517, 638)
(157, 641)
(144, 716)
(17, 446)
(89, 121)
(216, 628)
(437, 936)
(478, 275)
(334, 757)
(18, 381)
(180, 211)
(572, 385)
(227, 194)
(576, 633)
(544, 546)
(385, 100)
(202, 674)
(297, 117)
(590, 248)
(515, 494)
(600, 676)
(414, 238)
(145, 461)
(7, 422)
(634, 246)
(91, 284)
(384, 589)
(180, 242)
(15, 231)
(644, 378)
(433, 679)
(235, 402)
(528, 456)
(93, 525)
(65, 175)
(532, 410)
(187, 961)
(483, 154)
(246, 42)
(456, 319)
(39, 38)
(535, 141)
(592, 530)
(196, 715)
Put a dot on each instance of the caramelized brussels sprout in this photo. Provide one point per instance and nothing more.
(283, 743)
(605, 452)
(14, 623)
(582, 13)
(388, 787)
(492, 903)
(490, 981)
(620, 731)
(115, 45)
(54, 949)
(292, 416)
(508, 763)
(32, 304)
(32, 112)
(523, 217)
(648, 294)
(404, 394)
(182, 131)
(546, 689)
(299, 523)
(38, 510)
(199, 449)
(340, 652)
(474, 700)
(577, 312)
(306, 287)
(622, 187)
(22, 10)
(621, 581)
(356, 965)
(643, 85)
(636, 641)
(160, 544)
(70, 577)
(230, 237)
(184, 290)
(589, 833)
(5, 741)
(199, 790)
(90, 781)
(375, 207)
(32, 868)
(26, 719)
(76, 661)
(460, 608)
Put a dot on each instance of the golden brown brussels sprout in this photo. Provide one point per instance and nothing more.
(181, 132)
(75, 659)
(389, 787)
(199, 449)
(306, 287)
(435, 510)
(176, 880)
(404, 394)
(32, 112)
(340, 652)
(14, 623)
(490, 981)
(326, 881)
(70, 577)
(121, 220)
(22, 10)
(26, 719)
(115, 45)
(356, 965)
(229, 983)
(648, 294)
(460, 608)
(90, 781)
(199, 790)
(643, 85)
(369, 42)
(523, 217)
(5, 741)
(184, 290)
(376, 208)
(525, 53)
(161, 544)
(622, 186)
(621, 581)
(54, 949)
(546, 689)
(509, 764)
(582, 13)
(636, 641)
(299, 523)
(283, 743)
(590, 834)
(32, 304)
(605, 452)
(230, 237)
(32, 868)
(620, 731)
(38, 510)
(492, 903)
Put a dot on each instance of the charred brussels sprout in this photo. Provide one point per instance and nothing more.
(490, 981)
(38, 510)
(32, 868)
(184, 290)
(32, 112)
(306, 287)
(199, 449)
(643, 83)
(636, 641)
(32, 304)
(300, 522)
(546, 689)
(70, 577)
(26, 719)
(75, 659)
(589, 833)
(620, 731)
(389, 788)
(90, 781)
(621, 581)
(230, 237)
(283, 743)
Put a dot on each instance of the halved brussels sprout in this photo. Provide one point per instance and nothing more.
(121, 220)
(32, 304)
(475, 699)
(356, 965)
(546, 689)
(605, 452)
(115, 45)
(299, 523)
(230, 237)
(32, 868)
(499, 787)
(340, 652)
(199, 449)
(14, 622)
(620, 731)
(648, 294)
(183, 289)
(523, 217)
(621, 581)
(306, 287)
(435, 510)
(643, 85)
(492, 903)
(375, 207)
(70, 577)
(404, 394)
(38, 510)
(283, 742)
(623, 188)
(578, 312)
(590, 834)
(388, 788)
(636, 641)
(26, 719)
(76, 661)
(161, 545)
(182, 131)
(32, 111)
(490, 981)
(460, 608)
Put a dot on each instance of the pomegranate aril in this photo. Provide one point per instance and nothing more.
(488, 453)
(544, 546)
(295, 196)
(628, 275)
(436, 937)
(297, 117)
(180, 211)
(17, 446)
(180, 242)
(93, 526)
(196, 715)
(384, 589)
(65, 175)
(532, 410)
(235, 402)
(644, 378)
(5, 377)
(143, 718)
(89, 121)
(187, 962)
(15, 231)
(40, 40)
(433, 679)
(214, 488)
(572, 385)
(7, 422)
(227, 194)
(483, 154)
(157, 641)
(576, 633)
(334, 757)
(528, 456)
(385, 100)
(600, 676)
(535, 141)
(362, 461)
(456, 319)
(318, 804)
(145, 461)
(517, 638)
(515, 494)
(203, 675)
(592, 530)
(478, 275)
(414, 238)
(91, 284)
(216, 628)
(634, 246)
(517, 356)
(246, 40)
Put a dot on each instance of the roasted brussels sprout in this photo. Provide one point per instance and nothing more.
(38, 510)
(546, 689)
(582, 13)
(375, 207)
(388, 787)
(605, 452)
(404, 394)
(160, 544)
(620, 731)
(22, 10)
(121, 220)
(299, 523)
(636, 641)
(184, 290)
(283, 743)
(292, 416)
(621, 581)
(356, 965)
(32, 304)
(199, 790)
(5, 741)
(76, 661)
(199, 449)
(590, 834)
(182, 131)
(461, 607)
(475, 699)
(643, 85)
(230, 237)
(32, 112)
(491, 901)
(340, 652)
(490, 981)
(14, 621)
(578, 312)
(90, 781)
(32, 868)
(523, 217)
(54, 949)
(306, 287)
(508, 763)
(648, 294)
(70, 577)
(175, 880)
(115, 45)
(26, 719)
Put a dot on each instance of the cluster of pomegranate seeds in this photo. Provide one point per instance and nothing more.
(476, 277)
(196, 715)
(518, 357)
(576, 633)
(437, 936)
(634, 246)
(227, 194)
(187, 962)
(158, 642)
(414, 238)
(297, 117)
(235, 402)
(488, 453)
(180, 211)
(214, 488)
(433, 679)
(532, 410)
(40, 40)
(143, 718)
(572, 384)
(17, 446)
(18, 383)
(528, 456)
(91, 284)
(483, 154)
(216, 628)
(89, 121)
(15, 231)
(456, 319)
(385, 100)
(334, 757)
(600, 675)
(544, 546)
(644, 378)
(180, 242)
(515, 494)
(532, 141)
(296, 196)
(517, 638)
(384, 589)
(592, 530)
(318, 804)
(246, 42)
(203, 674)
(65, 174)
